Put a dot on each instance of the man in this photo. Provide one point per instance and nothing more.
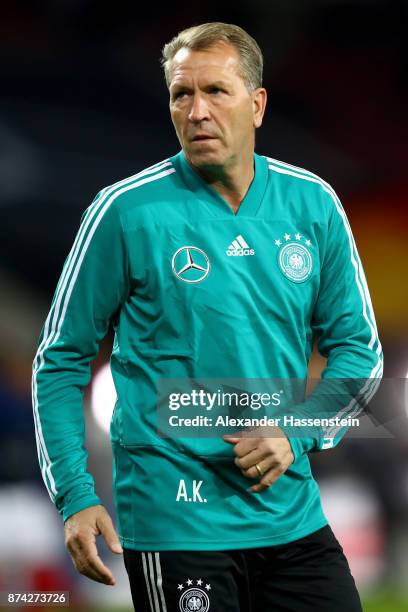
(217, 262)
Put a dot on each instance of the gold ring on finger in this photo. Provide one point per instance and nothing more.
(258, 469)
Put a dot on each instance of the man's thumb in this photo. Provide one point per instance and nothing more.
(110, 535)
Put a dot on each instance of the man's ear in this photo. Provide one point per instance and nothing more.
(259, 98)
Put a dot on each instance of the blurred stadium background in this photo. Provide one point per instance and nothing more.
(83, 104)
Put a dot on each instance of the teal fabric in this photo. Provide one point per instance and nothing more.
(254, 315)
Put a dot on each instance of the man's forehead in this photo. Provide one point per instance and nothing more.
(221, 58)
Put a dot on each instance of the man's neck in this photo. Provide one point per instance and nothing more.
(231, 183)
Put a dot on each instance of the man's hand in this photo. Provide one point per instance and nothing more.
(80, 531)
(263, 457)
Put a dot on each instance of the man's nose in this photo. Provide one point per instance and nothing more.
(199, 109)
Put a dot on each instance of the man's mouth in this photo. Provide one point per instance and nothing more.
(199, 137)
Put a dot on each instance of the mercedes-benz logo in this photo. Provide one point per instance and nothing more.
(190, 264)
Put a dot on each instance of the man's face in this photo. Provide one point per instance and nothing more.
(212, 110)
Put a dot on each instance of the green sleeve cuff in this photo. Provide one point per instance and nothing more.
(300, 446)
(79, 504)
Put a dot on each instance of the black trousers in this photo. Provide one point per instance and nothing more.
(308, 575)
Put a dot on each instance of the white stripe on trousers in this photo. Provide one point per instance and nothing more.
(147, 581)
(160, 581)
(154, 589)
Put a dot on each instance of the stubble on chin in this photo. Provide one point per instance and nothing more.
(205, 159)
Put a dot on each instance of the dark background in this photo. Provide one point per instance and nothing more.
(83, 104)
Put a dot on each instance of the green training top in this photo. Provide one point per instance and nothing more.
(196, 291)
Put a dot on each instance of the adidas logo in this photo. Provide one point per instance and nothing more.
(239, 247)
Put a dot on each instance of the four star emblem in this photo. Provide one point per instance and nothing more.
(190, 582)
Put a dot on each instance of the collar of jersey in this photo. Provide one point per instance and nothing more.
(250, 204)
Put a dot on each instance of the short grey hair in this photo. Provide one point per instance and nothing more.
(207, 35)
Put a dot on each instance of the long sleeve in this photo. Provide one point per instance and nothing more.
(91, 289)
(344, 324)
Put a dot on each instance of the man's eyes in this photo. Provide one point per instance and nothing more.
(212, 90)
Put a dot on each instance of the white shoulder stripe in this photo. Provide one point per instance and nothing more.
(372, 383)
(360, 277)
(145, 171)
(129, 179)
(52, 332)
(298, 169)
(302, 173)
(92, 231)
(92, 211)
(102, 194)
